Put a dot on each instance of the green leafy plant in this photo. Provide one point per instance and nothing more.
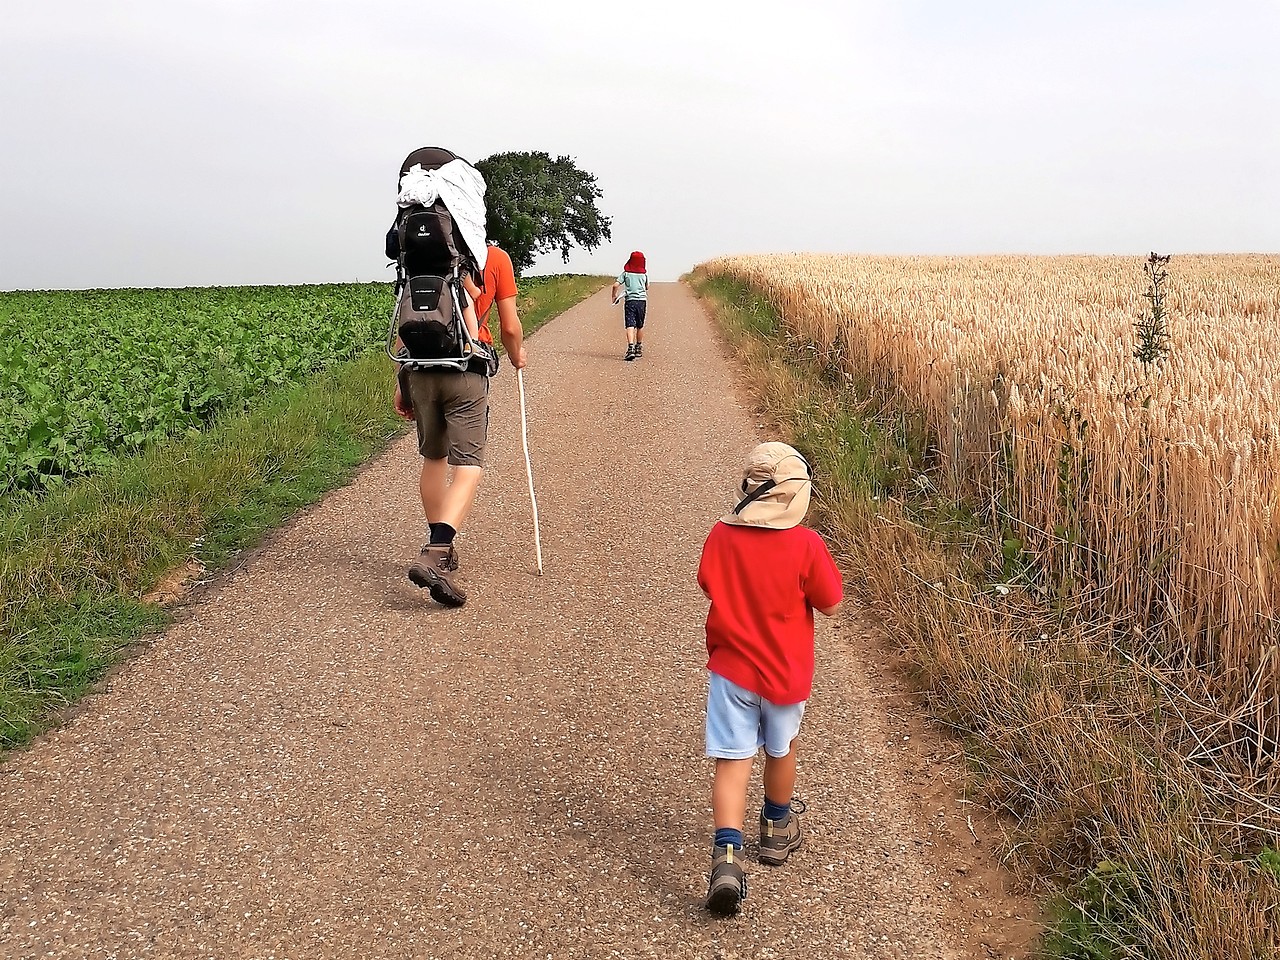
(1269, 861)
(1153, 327)
(1094, 918)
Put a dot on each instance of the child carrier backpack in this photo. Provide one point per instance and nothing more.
(428, 329)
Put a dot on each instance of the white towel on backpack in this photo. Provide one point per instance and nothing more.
(461, 187)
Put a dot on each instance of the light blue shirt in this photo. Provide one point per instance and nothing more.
(636, 285)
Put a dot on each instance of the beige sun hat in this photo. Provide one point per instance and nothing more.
(774, 490)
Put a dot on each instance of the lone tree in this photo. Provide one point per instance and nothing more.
(535, 204)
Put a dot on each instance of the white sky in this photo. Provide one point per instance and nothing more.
(174, 142)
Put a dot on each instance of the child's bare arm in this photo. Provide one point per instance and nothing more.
(469, 318)
(830, 611)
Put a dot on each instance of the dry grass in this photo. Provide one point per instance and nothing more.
(1138, 767)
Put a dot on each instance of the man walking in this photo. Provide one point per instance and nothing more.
(451, 412)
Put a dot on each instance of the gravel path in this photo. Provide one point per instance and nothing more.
(316, 761)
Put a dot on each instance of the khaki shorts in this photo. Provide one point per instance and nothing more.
(451, 411)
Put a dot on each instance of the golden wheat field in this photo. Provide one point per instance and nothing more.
(1150, 487)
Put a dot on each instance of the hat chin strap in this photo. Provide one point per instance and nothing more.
(764, 488)
(754, 495)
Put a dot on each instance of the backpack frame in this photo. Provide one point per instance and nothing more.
(428, 330)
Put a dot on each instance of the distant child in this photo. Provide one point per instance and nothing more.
(635, 282)
(765, 575)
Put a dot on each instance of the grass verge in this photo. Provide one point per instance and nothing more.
(76, 562)
(1154, 850)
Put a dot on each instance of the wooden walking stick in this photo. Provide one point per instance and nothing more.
(528, 469)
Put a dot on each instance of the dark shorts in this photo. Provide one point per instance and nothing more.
(451, 411)
(633, 313)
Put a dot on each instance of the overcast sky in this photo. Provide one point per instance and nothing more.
(175, 142)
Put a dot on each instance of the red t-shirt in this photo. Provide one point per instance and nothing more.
(763, 586)
(499, 283)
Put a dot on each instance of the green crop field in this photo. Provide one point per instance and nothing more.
(88, 375)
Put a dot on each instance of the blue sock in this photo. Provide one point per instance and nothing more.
(728, 835)
(776, 811)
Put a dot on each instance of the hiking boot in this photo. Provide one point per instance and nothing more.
(631, 352)
(639, 350)
(434, 570)
(780, 838)
(728, 880)
(450, 561)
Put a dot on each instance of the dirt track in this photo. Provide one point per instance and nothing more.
(316, 761)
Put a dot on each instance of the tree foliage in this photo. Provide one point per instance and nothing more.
(535, 204)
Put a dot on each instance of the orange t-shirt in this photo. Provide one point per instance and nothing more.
(499, 283)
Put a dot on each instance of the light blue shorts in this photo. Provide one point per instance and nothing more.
(740, 722)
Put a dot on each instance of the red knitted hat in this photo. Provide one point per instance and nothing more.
(636, 263)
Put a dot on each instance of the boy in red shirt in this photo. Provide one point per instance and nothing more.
(765, 575)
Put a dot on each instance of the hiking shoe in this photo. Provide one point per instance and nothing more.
(780, 838)
(728, 880)
(434, 571)
(631, 352)
(451, 561)
(639, 350)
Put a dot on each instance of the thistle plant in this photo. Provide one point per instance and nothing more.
(1153, 328)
